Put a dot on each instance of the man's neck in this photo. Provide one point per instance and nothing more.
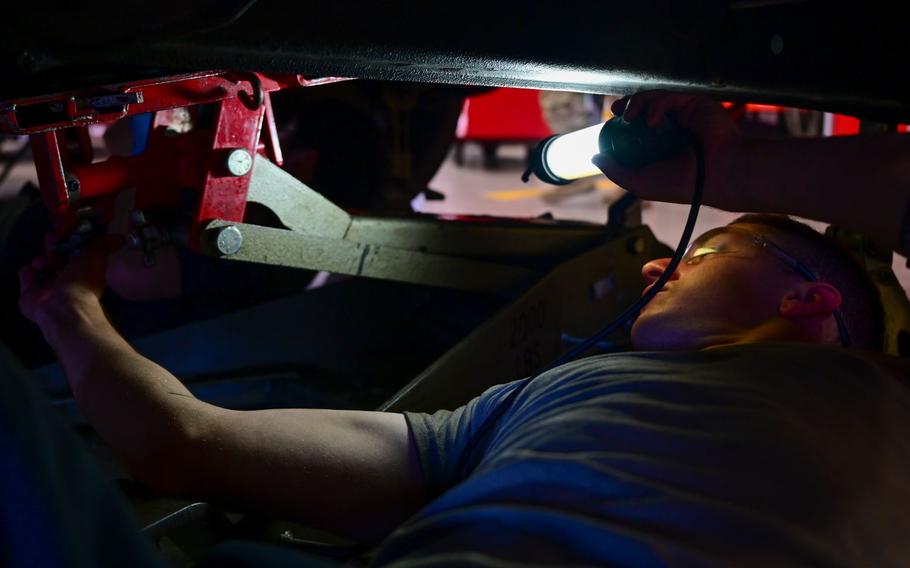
(777, 330)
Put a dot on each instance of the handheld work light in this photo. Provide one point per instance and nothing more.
(563, 158)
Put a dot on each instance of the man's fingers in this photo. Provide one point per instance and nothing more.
(640, 102)
(655, 105)
(97, 251)
(667, 180)
(30, 273)
(622, 176)
(630, 107)
(634, 106)
(668, 104)
(619, 106)
(50, 240)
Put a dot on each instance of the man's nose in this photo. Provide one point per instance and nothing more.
(653, 269)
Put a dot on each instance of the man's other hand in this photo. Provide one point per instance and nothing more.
(131, 279)
(673, 179)
(51, 287)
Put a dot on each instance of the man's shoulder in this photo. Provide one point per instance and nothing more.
(762, 362)
(752, 389)
(770, 352)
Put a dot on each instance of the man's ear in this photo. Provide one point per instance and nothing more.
(810, 299)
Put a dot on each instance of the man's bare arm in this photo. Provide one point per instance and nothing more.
(856, 182)
(350, 472)
(860, 183)
(344, 471)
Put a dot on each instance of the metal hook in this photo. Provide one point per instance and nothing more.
(254, 99)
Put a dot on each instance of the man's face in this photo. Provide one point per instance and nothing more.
(713, 300)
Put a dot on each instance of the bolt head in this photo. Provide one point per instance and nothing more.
(228, 240)
(239, 162)
(73, 189)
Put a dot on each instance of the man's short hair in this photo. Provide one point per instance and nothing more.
(831, 262)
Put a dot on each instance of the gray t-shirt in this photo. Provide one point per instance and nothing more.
(758, 455)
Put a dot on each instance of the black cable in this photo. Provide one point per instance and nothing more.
(628, 314)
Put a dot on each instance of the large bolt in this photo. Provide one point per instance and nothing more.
(239, 162)
(228, 240)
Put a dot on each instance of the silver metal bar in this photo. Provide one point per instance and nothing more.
(477, 240)
(281, 247)
(304, 210)
(297, 206)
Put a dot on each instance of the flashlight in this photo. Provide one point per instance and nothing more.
(564, 158)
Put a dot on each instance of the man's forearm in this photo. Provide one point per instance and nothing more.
(137, 407)
(352, 472)
(856, 182)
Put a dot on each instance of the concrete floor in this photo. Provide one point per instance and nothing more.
(470, 189)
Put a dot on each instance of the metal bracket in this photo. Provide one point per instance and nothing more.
(459, 255)
(281, 247)
(298, 207)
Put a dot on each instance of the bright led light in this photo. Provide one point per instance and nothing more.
(561, 159)
(569, 156)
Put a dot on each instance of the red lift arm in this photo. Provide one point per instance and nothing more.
(214, 160)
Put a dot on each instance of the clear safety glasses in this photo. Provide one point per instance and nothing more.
(745, 242)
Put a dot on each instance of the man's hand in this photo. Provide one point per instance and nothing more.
(52, 288)
(131, 279)
(673, 179)
(818, 178)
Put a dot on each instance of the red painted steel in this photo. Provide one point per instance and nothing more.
(272, 146)
(170, 164)
(49, 163)
(223, 194)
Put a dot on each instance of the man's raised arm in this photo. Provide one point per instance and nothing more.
(349, 472)
(856, 182)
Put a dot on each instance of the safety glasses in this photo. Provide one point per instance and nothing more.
(745, 242)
